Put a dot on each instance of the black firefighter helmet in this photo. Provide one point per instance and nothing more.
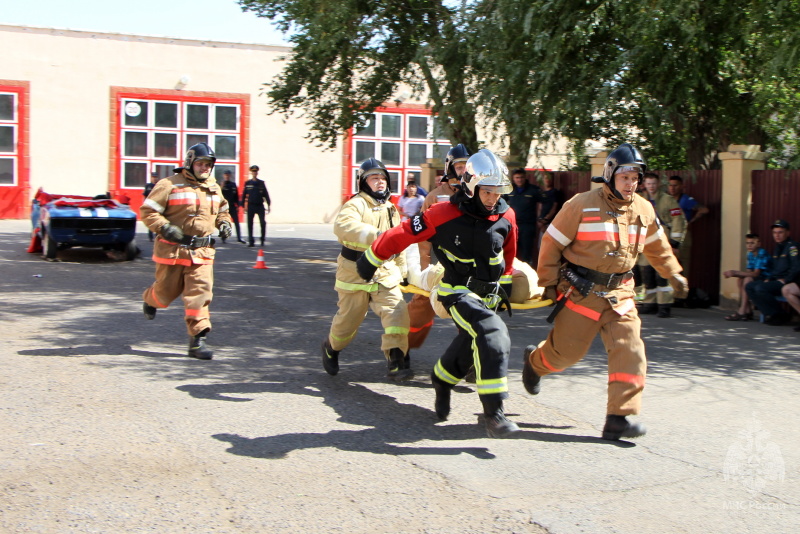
(625, 155)
(455, 154)
(196, 152)
(369, 167)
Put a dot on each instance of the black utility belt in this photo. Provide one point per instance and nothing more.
(193, 241)
(610, 280)
(350, 254)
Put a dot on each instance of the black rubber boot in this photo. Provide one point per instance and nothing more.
(198, 348)
(530, 379)
(664, 311)
(618, 426)
(149, 311)
(645, 309)
(442, 403)
(330, 359)
(398, 372)
(497, 426)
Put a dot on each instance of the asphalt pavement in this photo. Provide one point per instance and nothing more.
(109, 427)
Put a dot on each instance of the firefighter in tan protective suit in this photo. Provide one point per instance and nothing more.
(360, 221)
(585, 262)
(184, 210)
(658, 297)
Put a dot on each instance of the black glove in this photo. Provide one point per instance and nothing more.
(225, 229)
(365, 269)
(404, 283)
(551, 294)
(172, 233)
(673, 243)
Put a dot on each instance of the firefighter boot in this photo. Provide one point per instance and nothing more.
(398, 372)
(647, 308)
(497, 426)
(664, 311)
(330, 358)
(149, 311)
(198, 348)
(618, 426)
(529, 377)
(442, 403)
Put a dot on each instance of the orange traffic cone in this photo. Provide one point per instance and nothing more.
(260, 260)
(36, 241)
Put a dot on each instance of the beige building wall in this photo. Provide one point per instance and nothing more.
(71, 74)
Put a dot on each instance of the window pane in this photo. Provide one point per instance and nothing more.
(193, 139)
(226, 118)
(414, 176)
(369, 128)
(197, 116)
(394, 179)
(225, 146)
(165, 170)
(438, 131)
(166, 145)
(135, 174)
(418, 127)
(364, 150)
(390, 153)
(219, 169)
(7, 107)
(390, 125)
(417, 154)
(7, 171)
(7, 139)
(355, 181)
(166, 115)
(135, 112)
(440, 151)
(135, 144)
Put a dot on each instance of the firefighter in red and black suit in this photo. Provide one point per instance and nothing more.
(475, 239)
(585, 263)
(184, 210)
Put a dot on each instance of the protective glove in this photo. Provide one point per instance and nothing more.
(404, 283)
(551, 294)
(172, 233)
(679, 285)
(365, 269)
(225, 229)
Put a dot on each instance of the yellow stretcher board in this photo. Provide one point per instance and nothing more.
(527, 305)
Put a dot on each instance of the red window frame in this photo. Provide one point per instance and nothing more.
(15, 200)
(119, 94)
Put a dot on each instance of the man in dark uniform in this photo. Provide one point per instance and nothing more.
(253, 197)
(230, 192)
(785, 269)
(147, 188)
(523, 200)
(475, 233)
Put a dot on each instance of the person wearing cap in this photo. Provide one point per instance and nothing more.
(785, 270)
(475, 233)
(585, 264)
(147, 188)
(231, 193)
(254, 196)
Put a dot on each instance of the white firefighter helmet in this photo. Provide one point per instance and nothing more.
(486, 170)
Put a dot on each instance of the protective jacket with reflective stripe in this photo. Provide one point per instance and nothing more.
(359, 221)
(196, 208)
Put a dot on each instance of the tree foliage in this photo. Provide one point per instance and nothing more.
(681, 78)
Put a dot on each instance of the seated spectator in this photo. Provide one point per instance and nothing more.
(410, 203)
(758, 264)
(791, 292)
(785, 270)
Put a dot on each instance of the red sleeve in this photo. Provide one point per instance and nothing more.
(415, 230)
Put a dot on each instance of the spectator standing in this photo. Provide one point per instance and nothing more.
(231, 193)
(659, 296)
(147, 188)
(693, 211)
(785, 270)
(411, 202)
(550, 200)
(524, 200)
(254, 196)
(758, 265)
